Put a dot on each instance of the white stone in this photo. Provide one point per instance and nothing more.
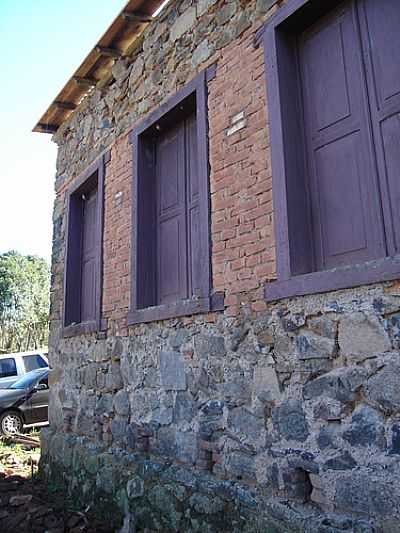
(236, 127)
(172, 368)
(266, 381)
(183, 24)
(204, 5)
(362, 336)
(201, 54)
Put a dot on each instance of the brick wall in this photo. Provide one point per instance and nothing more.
(117, 235)
(240, 184)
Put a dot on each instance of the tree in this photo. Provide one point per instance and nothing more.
(24, 302)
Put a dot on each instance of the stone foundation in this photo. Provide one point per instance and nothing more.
(301, 404)
(138, 493)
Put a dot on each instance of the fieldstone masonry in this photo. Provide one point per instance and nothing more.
(277, 418)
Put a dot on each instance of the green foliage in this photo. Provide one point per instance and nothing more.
(24, 302)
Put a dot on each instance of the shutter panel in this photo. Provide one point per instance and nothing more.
(88, 284)
(73, 274)
(346, 215)
(195, 257)
(171, 211)
(380, 23)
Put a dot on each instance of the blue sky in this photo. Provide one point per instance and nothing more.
(42, 43)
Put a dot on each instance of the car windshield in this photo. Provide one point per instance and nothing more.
(28, 380)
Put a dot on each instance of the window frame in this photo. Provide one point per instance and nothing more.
(94, 173)
(288, 159)
(137, 313)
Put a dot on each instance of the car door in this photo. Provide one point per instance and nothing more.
(37, 405)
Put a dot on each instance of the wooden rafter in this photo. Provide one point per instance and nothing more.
(136, 17)
(108, 52)
(123, 36)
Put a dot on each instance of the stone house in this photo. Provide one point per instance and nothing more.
(225, 319)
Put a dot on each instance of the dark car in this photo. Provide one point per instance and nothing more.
(25, 402)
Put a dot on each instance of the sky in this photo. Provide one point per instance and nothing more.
(42, 43)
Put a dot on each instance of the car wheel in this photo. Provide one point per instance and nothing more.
(11, 423)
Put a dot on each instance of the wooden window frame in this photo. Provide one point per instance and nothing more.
(285, 117)
(142, 170)
(92, 177)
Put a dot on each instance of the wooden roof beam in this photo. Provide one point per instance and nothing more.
(67, 106)
(88, 83)
(136, 17)
(47, 128)
(108, 52)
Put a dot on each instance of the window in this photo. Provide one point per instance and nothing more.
(8, 368)
(33, 362)
(171, 242)
(82, 299)
(333, 80)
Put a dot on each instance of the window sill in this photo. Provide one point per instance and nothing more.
(80, 329)
(183, 308)
(338, 278)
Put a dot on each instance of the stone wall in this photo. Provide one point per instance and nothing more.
(212, 421)
(301, 403)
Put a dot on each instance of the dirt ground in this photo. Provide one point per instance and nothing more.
(28, 505)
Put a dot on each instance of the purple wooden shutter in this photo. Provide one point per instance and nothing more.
(73, 274)
(346, 213)
(195, 258)
(88, 258)
(171, 215)
(380, 23)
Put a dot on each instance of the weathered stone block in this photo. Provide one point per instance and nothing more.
(119, 428)
(119, 70)
(340, 384)
(183, 24)
(121, 403)
(166, 441)
(114, 377)
(204, 5)
(329, 409)
(186, 447)
(311, 346)
(362, 336)
(177, 338)
(264, 5)
(383, 388)
(395, 447)
(225, 13)
(172, 368)
(201, 53)
(243, 422)
(136, 71)
(210, 346)
(184, 408)
(205, 505)
(366, 428)
(135, 488)
(343, 461)
(213, 408)
(290, 421)
(266, 384)
(240, 466)
(366, 493)
(104, 405)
